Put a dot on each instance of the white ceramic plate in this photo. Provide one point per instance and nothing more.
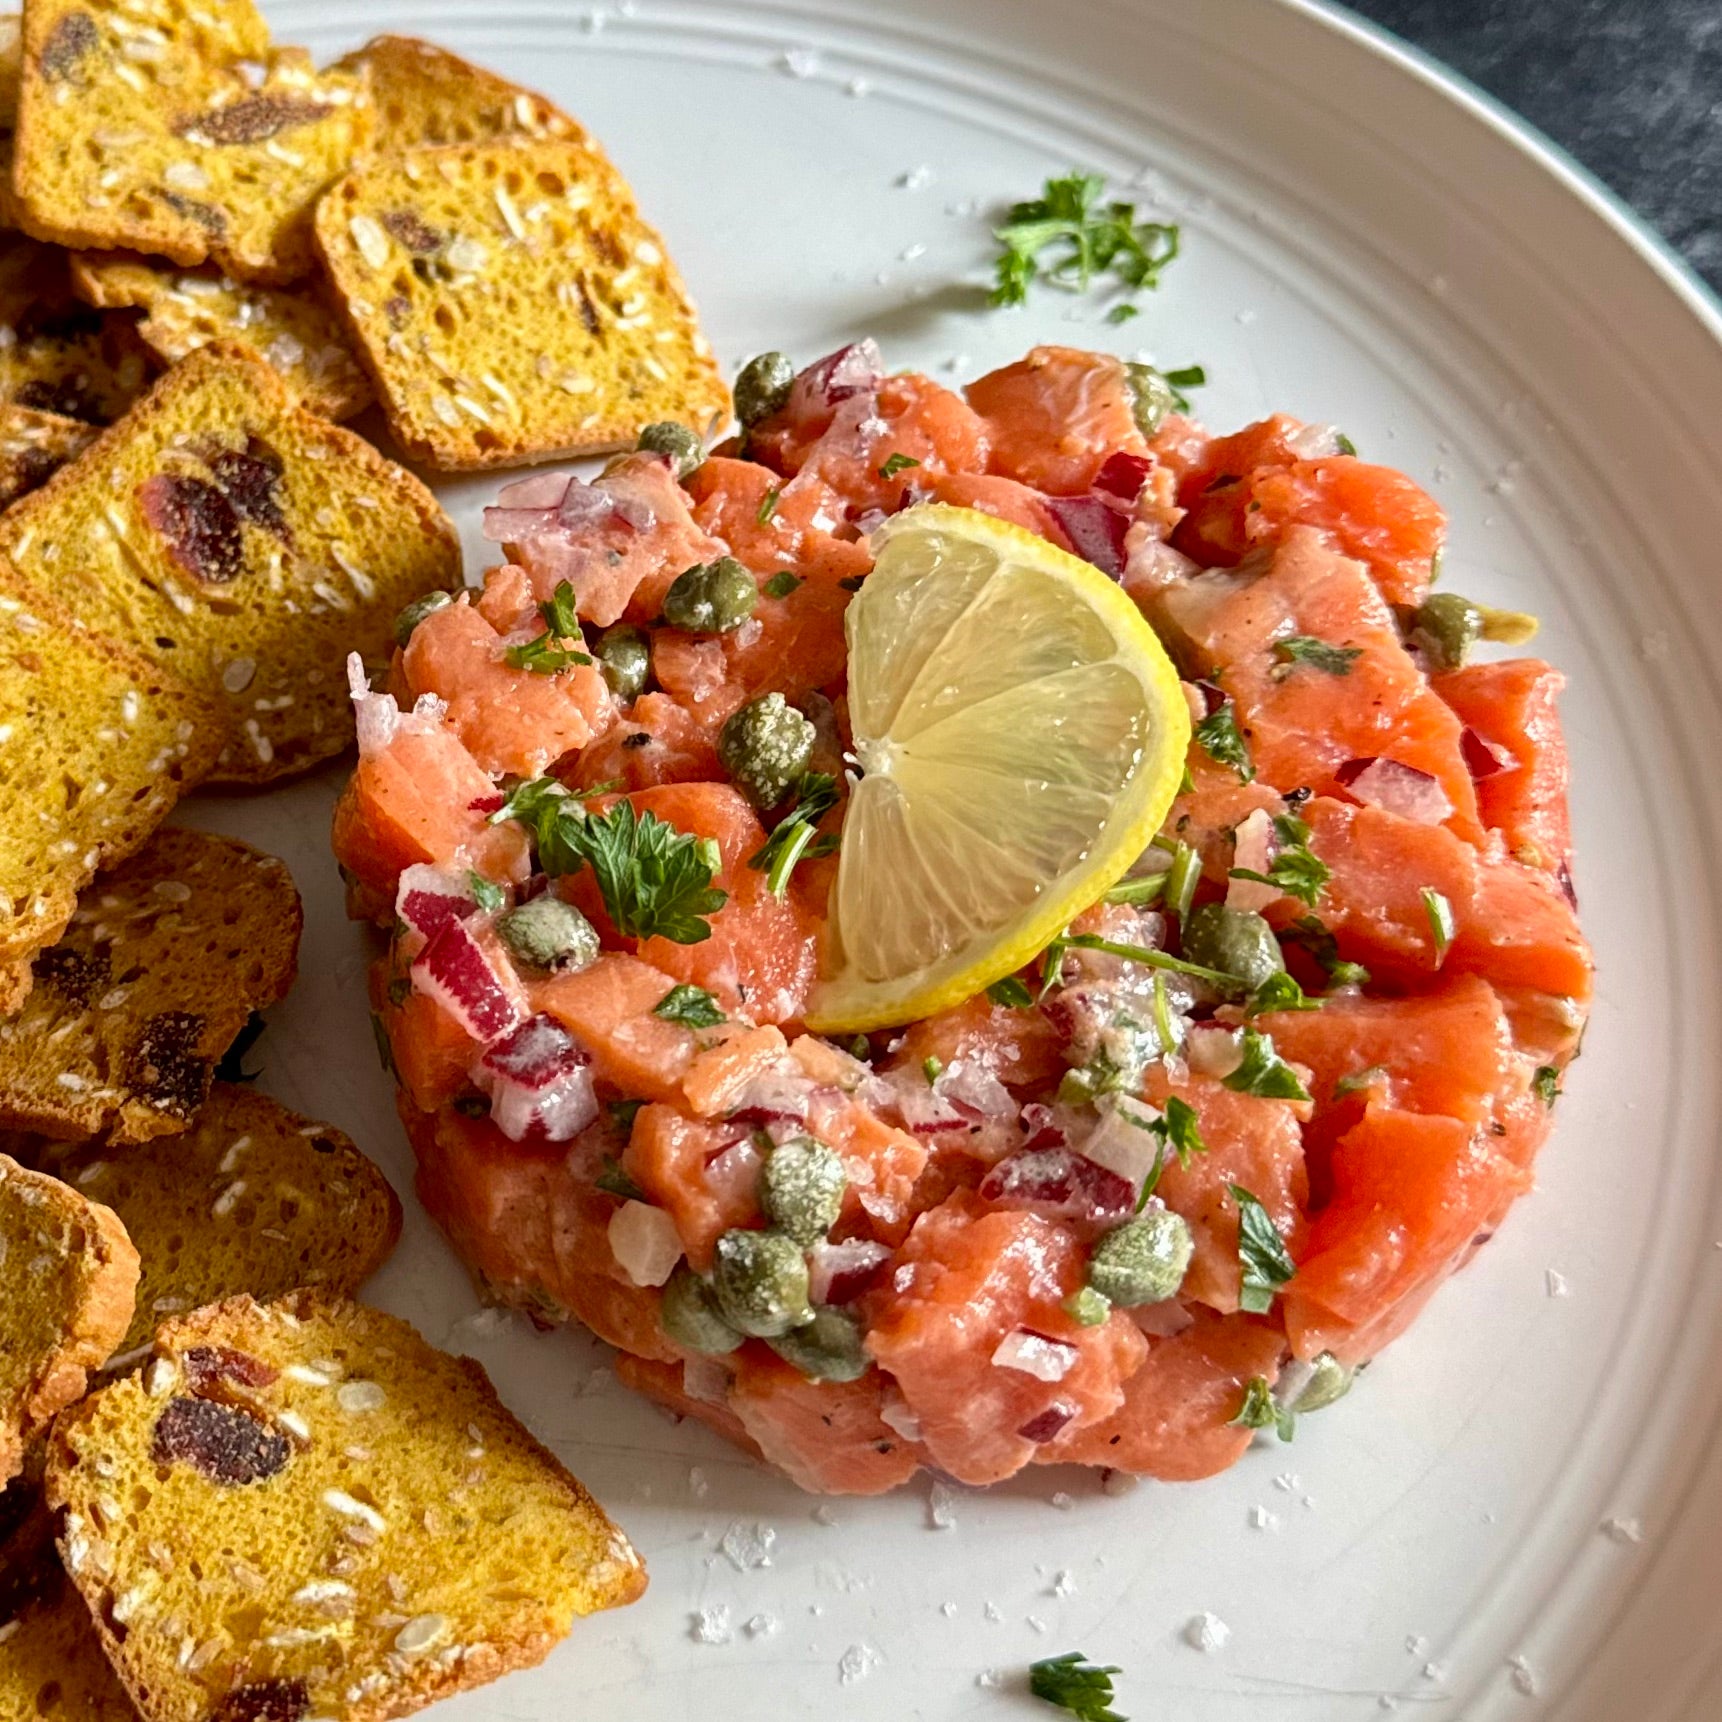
(1365, 243)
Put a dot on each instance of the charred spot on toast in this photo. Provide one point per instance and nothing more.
(220, 1442)
(199, 523)
(165, 1069)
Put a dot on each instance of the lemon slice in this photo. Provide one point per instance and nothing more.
(1020, 733)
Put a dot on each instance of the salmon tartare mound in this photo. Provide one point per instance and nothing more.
(1168, 1184)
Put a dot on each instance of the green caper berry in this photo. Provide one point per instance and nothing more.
(1329, 1381)
(685, 450)
(765, 747)
(828, 1348)
(415, 612)
(711, 597)
(1151, 397)
(762, 386)
(1235, 941)
(801, 1189)
(761, 1283)
(1144, 1260)
(547, 933)
(1087, 1307)
(624, 657)
(690, 1316)
(1447, 626)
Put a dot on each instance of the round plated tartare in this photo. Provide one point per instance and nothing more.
(707, 1033)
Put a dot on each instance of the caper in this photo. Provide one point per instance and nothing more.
(1447, 627)
(765, 747)
(828, 1348)
(762, 386)
(711, 597)
(547, 933)
(685, 450)
(1151, 397)
(415, 612)
(801, 1189)
(1237, 942)
(690, 1316)
(1329, 1380)
(624, 657)
(1087, 1307)
(761, 1283)
(1142, 1261)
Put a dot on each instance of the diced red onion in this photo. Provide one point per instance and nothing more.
(427, 896)
(840, 1273)
(733, 1175)
(1047, 1424)
(645, 1243)
(1059, 1183)
(1314, 442)
(1254, 845)
(706, 1379)
(967, 1083)
(455, 970)
(895, 1414)
(869, 520)
(1213, 696)
(516, 525)
(1151, 564)
(851, 370)
(1163, 1320)
(1034, 1354)
(924, 1109)
(777, 1094)
(378, 719)
(1095, 529)
(537, 490)
(1123, 475)
(1213, 1051)
(539, 1082)
(1397, 788)
(1484, 758)
(487, 804)
(1122, 1141)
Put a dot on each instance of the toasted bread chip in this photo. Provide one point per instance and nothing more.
(34, 446)
(96, 745)
(70, 1276)
(316, 1464)
(424, 97)
(172, 127)
(165, 959)
(11, 67)
(184, 309)
(441, 259)
(60, 355)
(244, 544)
(252, 1198)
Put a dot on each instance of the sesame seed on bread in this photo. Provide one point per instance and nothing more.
(96, 745)
(34, 446)
(511, 304)
(301, 1510)
(424, 96)
(251, 1198)
(69, 1276)
(165, 959)
(244, 544)
(173, 127)
(292, 328)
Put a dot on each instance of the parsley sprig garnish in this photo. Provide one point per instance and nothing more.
(1260, 1411)
(796, 837)
(1223, 742)
(896, 463)
(1442, 926)
(1263, 1072)
(543, 656)
(691, 1006)
(1072, 1683)
(1311, 935)
(1071, 234)
(1263, 1261)
(1296, 870)
(1318, 654)
(1546, 1084)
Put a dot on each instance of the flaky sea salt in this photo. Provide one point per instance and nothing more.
(1523, 1677)
(1619, 1530)
(1206, 1632)
(941, 1506)
(711, 1625)
(799, 62)
(763, 1626)
(857, 1662)
(746, 1547)
(1554, 1283)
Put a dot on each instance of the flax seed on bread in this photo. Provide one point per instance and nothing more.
(251, 1199)
(34, 446)
(293, 329)
(511, 304)
(245, 545)
(173, 127)
(301, 1510)
(96, 745)
(165, 959)
(70, 1273)
(423, 96)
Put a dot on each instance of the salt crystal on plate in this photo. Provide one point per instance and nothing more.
(763, 1626)
(711, 1625)
(1555, 1284)
(1623, 1530)
(748, 1546)
(941, 1506)
(1065, 1583)
(857, 1662)
(1206, 1632)
(1063, 1501)
(798, 62)
(1523, 1676)
(857, 87)
(1262, 1520)
(991, 1678)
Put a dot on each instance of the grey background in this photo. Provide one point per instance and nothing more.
(1632, 88)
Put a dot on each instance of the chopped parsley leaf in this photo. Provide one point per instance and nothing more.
(488, 896)
(1223, 742)
(1346, 445)
(768, 505)
(1279, 992)
(1263, 1072)
(559, 614)
(1072, 1683)
(931, 1068)
(1165, 1026)
(1359, 1080)
(1318, 654)
(1296, 871)
(691, 1006)
(1181, 881)
(543, 656)
(1011, 993)
(1182, 1128)
(613, 1181)
(1441, 924)
(781, 584)
(1139, 891)
(795, 837)
(1311, 935)
(1546, 1084)
(896, 463)
(622, 1114)
(1259, 1411)
(1262, 1256)
(1123, 312)
(1068, 235)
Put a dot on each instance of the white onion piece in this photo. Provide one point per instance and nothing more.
(1150, 563)
(895, 1414)
(1213, 1051)
(378, 719)
(645, 1243)
(1163, 1320)
(1034, 1354)
(1314, 442)
(1253, 847)
(734, 1174)
(1122, 1140)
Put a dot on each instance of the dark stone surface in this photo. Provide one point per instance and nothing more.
(1632, 88)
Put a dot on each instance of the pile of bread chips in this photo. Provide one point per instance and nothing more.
(275, 1503)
